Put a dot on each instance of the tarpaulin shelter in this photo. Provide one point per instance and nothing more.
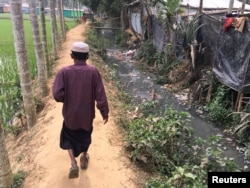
(231, 65)
(228, 52)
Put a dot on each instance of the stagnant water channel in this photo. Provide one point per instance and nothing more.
(139, 85)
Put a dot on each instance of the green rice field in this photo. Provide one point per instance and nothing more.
(10, 94)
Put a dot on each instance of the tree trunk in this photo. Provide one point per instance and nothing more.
(74, 8)
(44, 37)
(22, 62)
(41, 66)
(61, 19)
(5, 168)
(54, 28)
(79, 14)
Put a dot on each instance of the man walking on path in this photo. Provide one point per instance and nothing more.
(79, 87)
(84, 18)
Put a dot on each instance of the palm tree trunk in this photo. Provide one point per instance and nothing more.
(61, 19)
(44, 37)
(22, 62)
(74, 10)
(5, 168)
(53, 26)
(41, 66)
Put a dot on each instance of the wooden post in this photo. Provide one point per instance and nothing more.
(209, 92)
(243, 6)
(231, 4)
(239, 101)
(201, 6)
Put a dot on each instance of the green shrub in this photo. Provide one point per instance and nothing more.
(218, 107)
(158, 141)
(18, 179)
(147, 53)
(166, 144)
(207, 157)
(242, 129)
(186, 176)
(147, 108)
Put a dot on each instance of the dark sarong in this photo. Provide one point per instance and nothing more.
(77, 140)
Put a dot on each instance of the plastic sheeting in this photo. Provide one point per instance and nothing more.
(231, 65)
(159, 35)
(136, 22)
(227, 52)
(208, 37)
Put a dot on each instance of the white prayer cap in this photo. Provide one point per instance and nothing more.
(80, 47)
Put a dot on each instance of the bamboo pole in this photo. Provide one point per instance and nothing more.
(239, 101)
(114, 28)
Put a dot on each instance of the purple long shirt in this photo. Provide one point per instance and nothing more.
(78, 87)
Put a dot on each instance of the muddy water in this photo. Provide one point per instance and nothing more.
(140, 86)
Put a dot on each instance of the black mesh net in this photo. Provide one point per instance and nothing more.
(231, 66)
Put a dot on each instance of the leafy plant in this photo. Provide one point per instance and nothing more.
(120, 38)
(13, 129)
(167, 9)
(242, 130)
(212, 159)
(158, 141)
(92, 39)
(186, 176)
(217, 107)
(193, 174)
(189, 29)
(245, 120)
(18, 179)
(161, 63)
(147, 107)
(147, 53)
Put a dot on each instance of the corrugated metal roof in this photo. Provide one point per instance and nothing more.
(214, 4)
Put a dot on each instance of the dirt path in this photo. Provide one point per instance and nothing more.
(37, 152)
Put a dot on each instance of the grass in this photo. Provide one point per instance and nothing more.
(7, 50)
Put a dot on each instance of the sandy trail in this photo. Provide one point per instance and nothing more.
(48, 166)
